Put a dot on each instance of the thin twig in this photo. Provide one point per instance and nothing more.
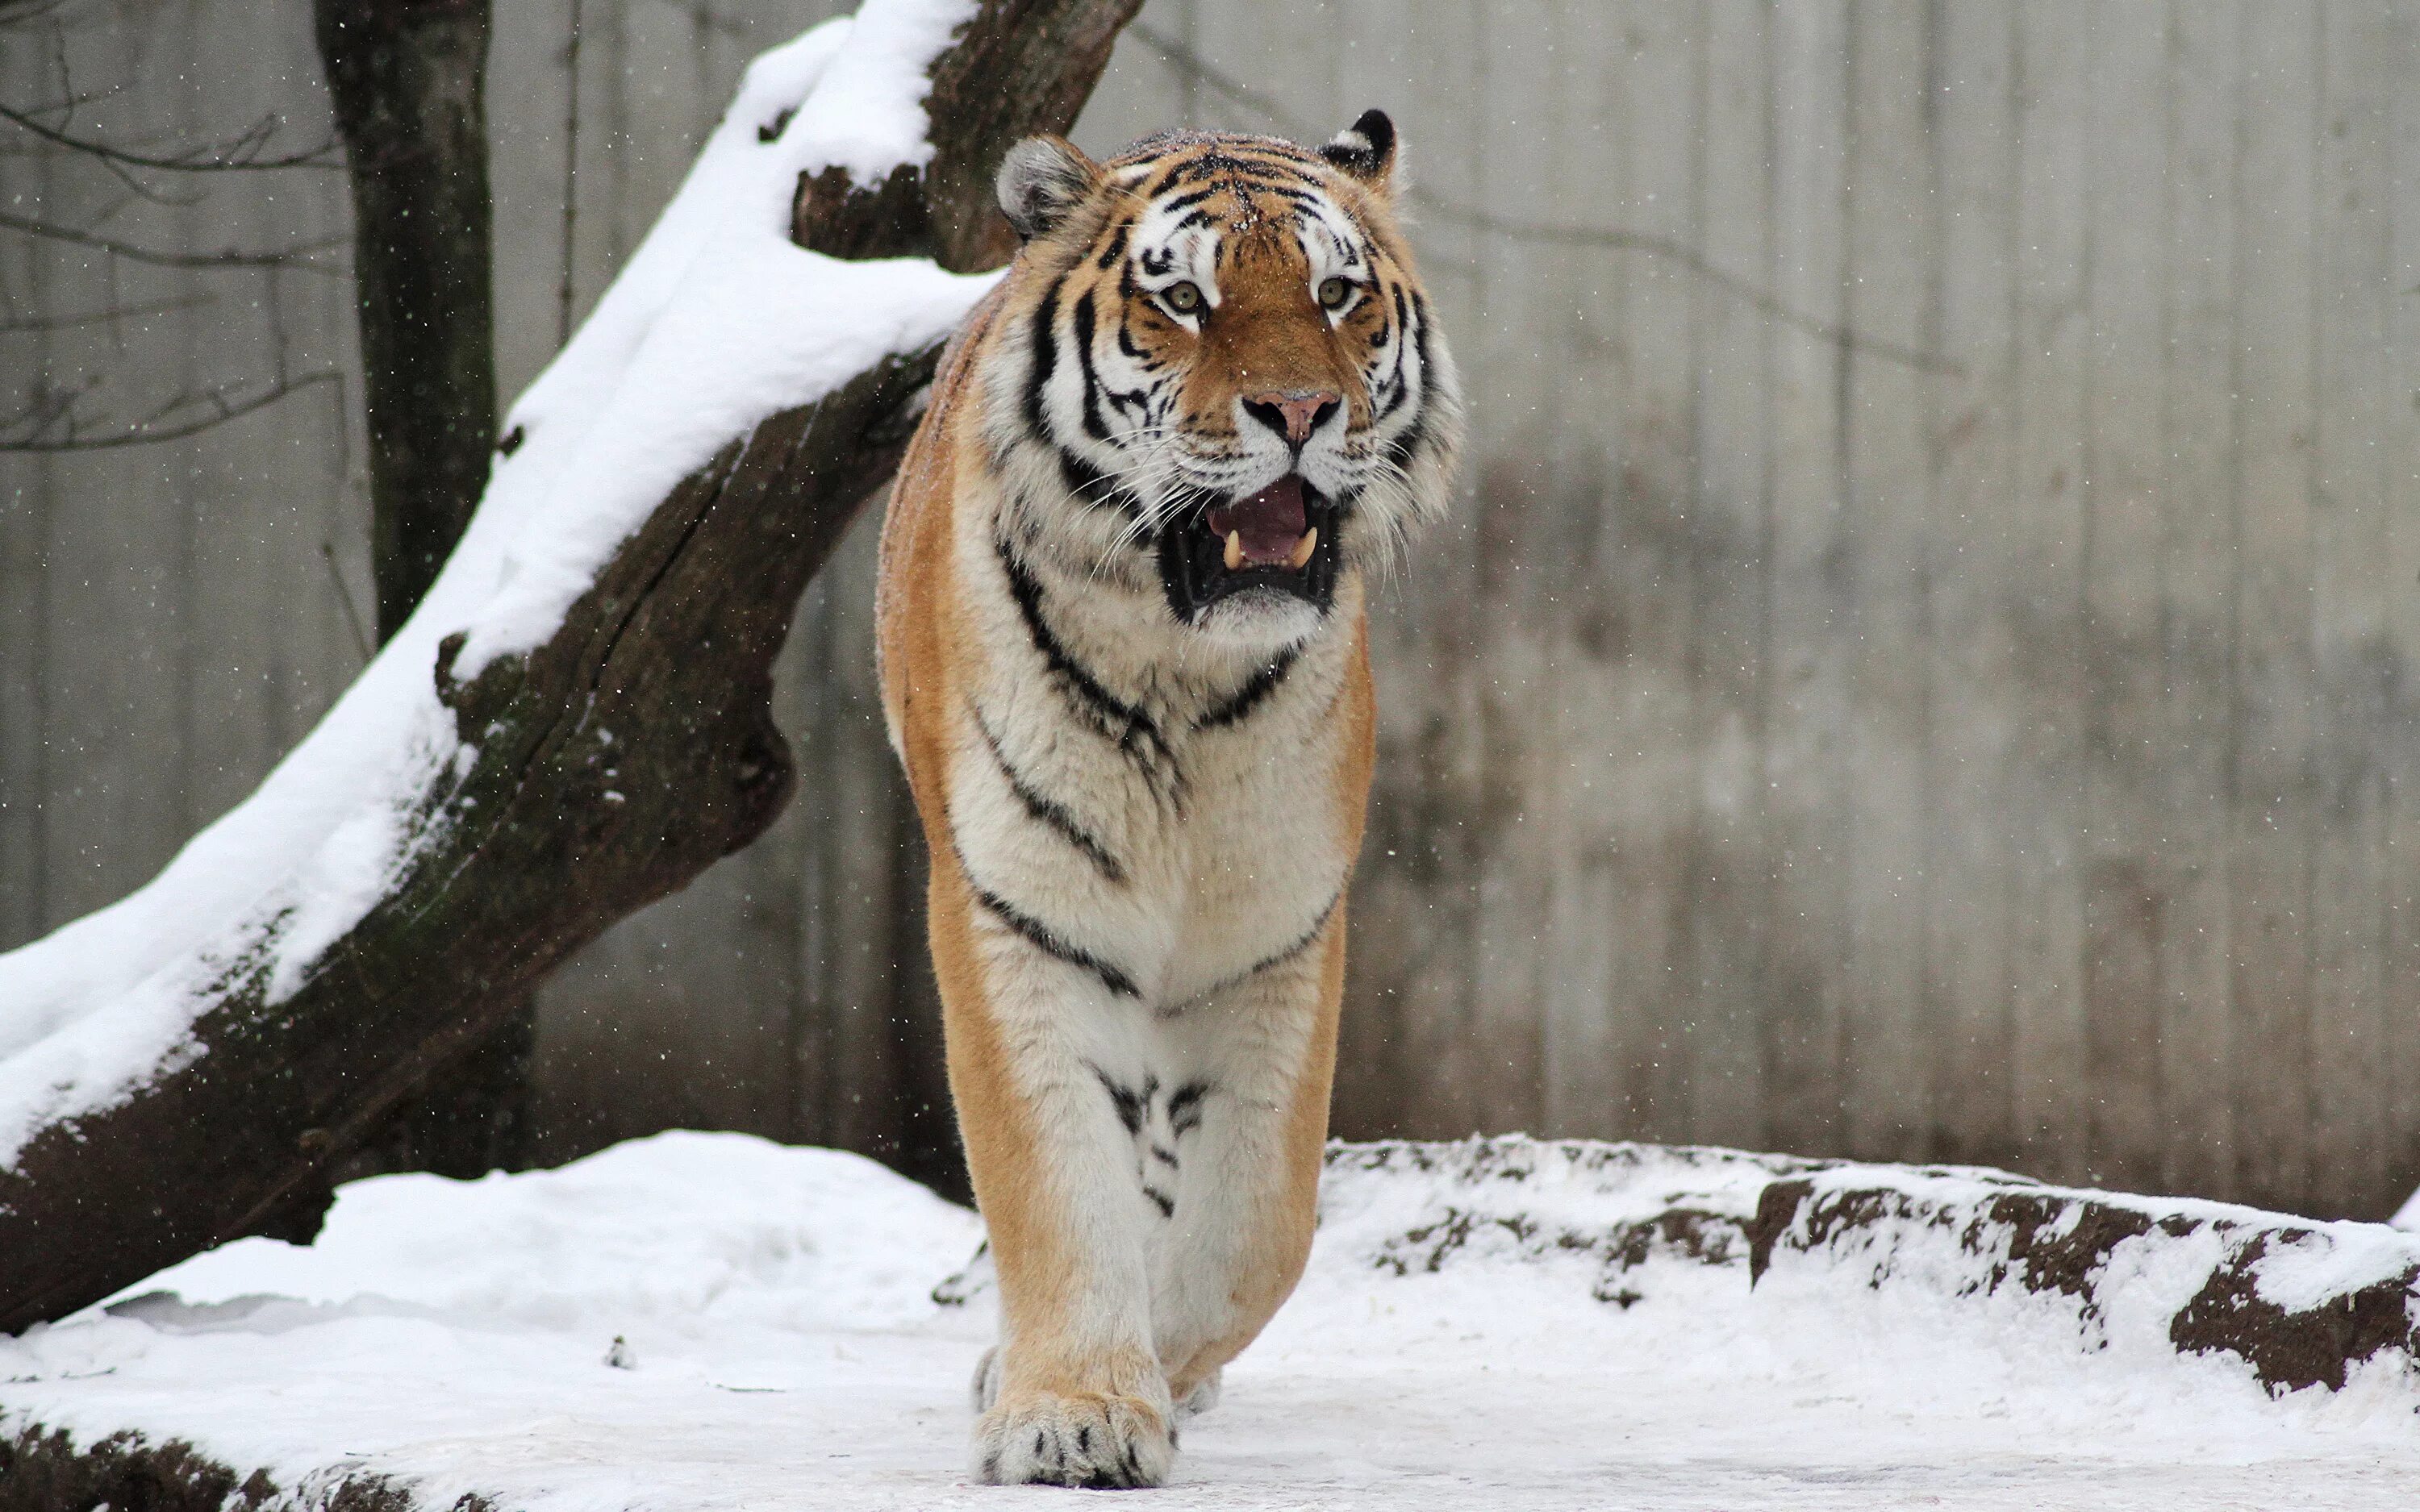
(47, 403)
(296, 256)
(1690, 257)
(1236, 92)
(96, 317)
(236, 156)
(18, 12)
(146, 432)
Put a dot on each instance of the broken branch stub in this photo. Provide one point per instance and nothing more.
(540, 842)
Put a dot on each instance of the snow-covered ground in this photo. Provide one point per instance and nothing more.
(1497, 1324)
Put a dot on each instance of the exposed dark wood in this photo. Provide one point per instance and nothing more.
(671, 650)
(409, 82)
(45, 1470)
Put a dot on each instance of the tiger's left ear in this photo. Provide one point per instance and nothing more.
(1041, 181)
(1365, 149)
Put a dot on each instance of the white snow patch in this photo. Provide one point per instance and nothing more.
(717, 323)
(779, 1346)
(870, 119)
(2407, 1217)
(2299, 1272)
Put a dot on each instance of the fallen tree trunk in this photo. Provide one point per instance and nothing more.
(601, 731)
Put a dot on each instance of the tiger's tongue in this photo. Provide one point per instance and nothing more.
(1270, 522)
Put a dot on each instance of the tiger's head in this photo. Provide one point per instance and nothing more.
(1222, 384)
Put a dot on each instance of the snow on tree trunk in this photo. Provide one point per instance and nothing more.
(576, 721)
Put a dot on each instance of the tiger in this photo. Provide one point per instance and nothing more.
(1122, 645)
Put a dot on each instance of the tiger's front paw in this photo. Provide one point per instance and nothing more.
(1093, 1440)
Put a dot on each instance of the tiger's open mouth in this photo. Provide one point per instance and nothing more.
(1282, 539)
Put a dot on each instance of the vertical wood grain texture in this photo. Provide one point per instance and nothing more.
(2272, 807)
(2128, 895)
(1728, 862)
(1522, 541)
(1810, 641)
(117, 641)
(25, 297)
(2362, 67)
(1647, 563)
(1980, 650)
(2197, 1034)
(1892, 243)
(1586, 1053)
(2045, 781)
(2401, 1057)
(1922, 665)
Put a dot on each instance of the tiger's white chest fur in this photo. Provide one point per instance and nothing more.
(1163, 807)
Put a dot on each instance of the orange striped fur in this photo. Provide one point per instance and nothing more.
(1123, 660)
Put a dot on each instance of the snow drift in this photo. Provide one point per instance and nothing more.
(709, 1321)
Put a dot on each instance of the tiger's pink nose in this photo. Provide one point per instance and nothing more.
(1293, 414)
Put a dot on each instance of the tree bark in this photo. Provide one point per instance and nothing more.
(666, 659)
(408, 79)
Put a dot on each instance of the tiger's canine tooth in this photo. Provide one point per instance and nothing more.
(1303, 549)
(1235, 550)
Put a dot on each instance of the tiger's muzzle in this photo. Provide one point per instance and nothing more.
(1281, 540)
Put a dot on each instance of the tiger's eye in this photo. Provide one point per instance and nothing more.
(1182, 297)
(1334, 293)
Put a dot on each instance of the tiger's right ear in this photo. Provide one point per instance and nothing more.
(1041, 180)
(1365, 149)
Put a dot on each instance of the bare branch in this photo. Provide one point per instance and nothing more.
(1674, 250)
(1236, 92)
(239, 155)
(101, 317)
(46, 405)
(299, 255)
(18, 12)
(143, 432)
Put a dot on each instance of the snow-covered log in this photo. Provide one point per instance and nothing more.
(697, 1321)
(576, 721)
(2296, 1303)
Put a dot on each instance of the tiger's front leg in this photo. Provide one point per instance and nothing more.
(1243, 1138)
(1076, 1393)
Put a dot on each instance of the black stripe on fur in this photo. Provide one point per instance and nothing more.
(1249, 698)
(1132, 1106)
(1048, 941)
(1184, 1107)
(1046, 811)
(1086, 328)
(1407, 442)
(1042, 358)
(1128, 726)
(1270, 962)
